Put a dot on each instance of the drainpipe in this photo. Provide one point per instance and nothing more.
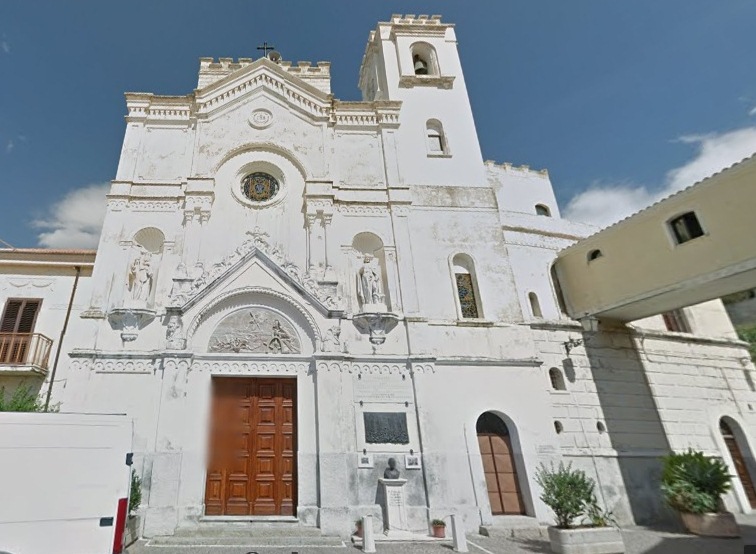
(60, 339)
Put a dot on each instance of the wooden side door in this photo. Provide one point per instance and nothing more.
(251, 467)
(498, 466)
(740, 464)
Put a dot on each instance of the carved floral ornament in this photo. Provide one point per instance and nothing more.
(186, 288)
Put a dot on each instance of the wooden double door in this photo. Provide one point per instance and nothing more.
(741, 467)
(499, 468)
(252, 447)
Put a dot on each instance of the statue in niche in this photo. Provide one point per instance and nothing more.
(141, 276)
(391, 472)
(369, 285)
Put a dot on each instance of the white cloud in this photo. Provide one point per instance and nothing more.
(753, 111)
(75, 220)
(5, 45)
(605, 203)
(9, 146)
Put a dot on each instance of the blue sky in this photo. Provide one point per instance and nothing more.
(621, 101)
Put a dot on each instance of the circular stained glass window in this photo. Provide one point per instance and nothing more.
(259, 187)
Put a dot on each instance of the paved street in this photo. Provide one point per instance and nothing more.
(637, 541)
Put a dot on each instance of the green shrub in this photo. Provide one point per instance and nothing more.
(22, 400)
(135, 497)
(438, 523)
(568, 492)
(693, 482)
(597, 516)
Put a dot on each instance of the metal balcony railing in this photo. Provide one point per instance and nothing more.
(32, 349)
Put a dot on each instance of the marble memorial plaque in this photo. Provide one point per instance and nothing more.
(386, 428)
(381, 388)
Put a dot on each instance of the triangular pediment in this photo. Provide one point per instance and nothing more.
(256, 251)
(262, 74)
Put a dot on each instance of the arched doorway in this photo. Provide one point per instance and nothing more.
(741, 467)
(498, 466)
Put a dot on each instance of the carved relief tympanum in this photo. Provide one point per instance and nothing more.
(257, 331)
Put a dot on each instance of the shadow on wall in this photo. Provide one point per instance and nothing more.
(632, 422)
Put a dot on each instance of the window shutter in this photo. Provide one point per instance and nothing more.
(12, 309)
(19, 316)
(28, 316)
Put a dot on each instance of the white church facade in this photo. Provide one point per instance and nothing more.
(290, 289)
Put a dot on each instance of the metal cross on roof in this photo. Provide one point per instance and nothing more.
(265, 47)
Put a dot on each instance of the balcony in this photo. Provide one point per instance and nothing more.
(24, 354)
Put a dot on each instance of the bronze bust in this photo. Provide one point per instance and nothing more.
(391, 472)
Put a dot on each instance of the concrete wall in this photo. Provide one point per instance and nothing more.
(643, 271)
(60, 474)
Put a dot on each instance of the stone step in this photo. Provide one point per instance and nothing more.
(515, 527)
(221, 529)
(247, 542)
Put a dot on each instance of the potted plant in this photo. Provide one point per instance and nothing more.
(693, 484)
(358, 528)
(569, 493)
(135, 500)
(439, 528)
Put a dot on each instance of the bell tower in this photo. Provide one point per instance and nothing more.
(414, 59)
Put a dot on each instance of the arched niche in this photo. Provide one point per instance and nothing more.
(370, 263)
(425, 54)
(235, 313)
(144, 259)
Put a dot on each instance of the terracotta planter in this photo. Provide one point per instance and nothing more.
(586, 540)
(439, 531)
(711, 525)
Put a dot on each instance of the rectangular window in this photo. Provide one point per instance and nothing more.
(466, 293)
(686, 227)
(676, 321)
(19, 315)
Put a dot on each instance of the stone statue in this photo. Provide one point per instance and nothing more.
(174, 338)
(332, 340)
(141, 276)
(391, 472)
(369, 286)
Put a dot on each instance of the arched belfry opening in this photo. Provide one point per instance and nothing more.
(734, 441)
(497, 455)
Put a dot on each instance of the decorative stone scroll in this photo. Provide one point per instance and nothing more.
(386, 428)
(255, 330)
(259, 240)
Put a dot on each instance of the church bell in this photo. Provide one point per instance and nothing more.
(421, 68)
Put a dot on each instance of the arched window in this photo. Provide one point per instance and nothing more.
(594, 254)
(535, 305)
(435, 138)
(557, 381)
(424, 61)
(542, 210)
(558, 290)
(466, 286)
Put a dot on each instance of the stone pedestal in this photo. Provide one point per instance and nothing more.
(394, 505)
